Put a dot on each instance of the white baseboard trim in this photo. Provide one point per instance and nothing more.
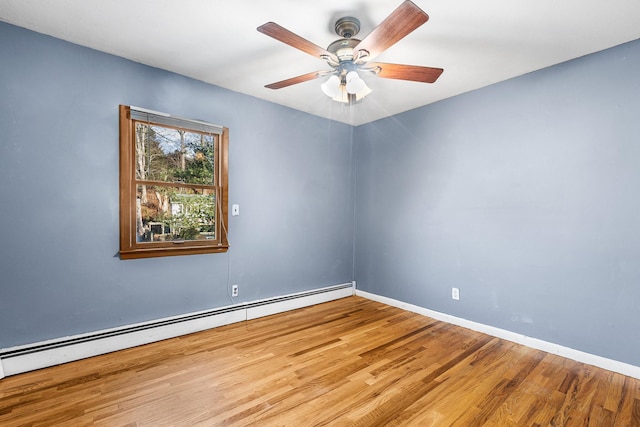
(569, 353)
(19, 359)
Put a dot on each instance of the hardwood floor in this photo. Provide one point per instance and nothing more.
(351, 362)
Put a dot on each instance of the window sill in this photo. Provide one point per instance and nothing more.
(160, 252)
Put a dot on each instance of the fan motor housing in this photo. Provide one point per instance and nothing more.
(343, 48)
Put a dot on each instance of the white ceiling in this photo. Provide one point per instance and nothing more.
(477, 42)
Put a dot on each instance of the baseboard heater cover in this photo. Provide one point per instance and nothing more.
(19, 359)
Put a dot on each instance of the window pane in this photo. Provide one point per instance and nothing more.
(172, 155)
(174, 213)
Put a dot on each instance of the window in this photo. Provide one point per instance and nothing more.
(173, 185)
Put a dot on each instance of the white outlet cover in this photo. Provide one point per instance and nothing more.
(235, 210)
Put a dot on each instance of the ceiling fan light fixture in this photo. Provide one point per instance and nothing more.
(344, 96)
(364, 91)
(354, 83)
(331, 87)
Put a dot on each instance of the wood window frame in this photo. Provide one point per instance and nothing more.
(130, 248)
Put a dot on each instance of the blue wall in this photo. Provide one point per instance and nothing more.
(60, 275)
(525, 195)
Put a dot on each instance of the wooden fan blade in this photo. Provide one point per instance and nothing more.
(285, 36)
(407, 72)
(295, 80)
(402, 21)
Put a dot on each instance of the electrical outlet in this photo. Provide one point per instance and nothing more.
(234, 290)
(455, 294)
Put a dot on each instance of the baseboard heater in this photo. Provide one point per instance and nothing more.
(29, 357)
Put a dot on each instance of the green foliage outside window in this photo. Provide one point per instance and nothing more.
(170, 155)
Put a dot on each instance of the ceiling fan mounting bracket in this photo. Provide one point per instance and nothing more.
(347, 27)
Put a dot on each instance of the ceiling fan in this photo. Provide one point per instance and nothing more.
(347, 55)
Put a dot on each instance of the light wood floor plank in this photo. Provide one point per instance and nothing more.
(351, 362)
